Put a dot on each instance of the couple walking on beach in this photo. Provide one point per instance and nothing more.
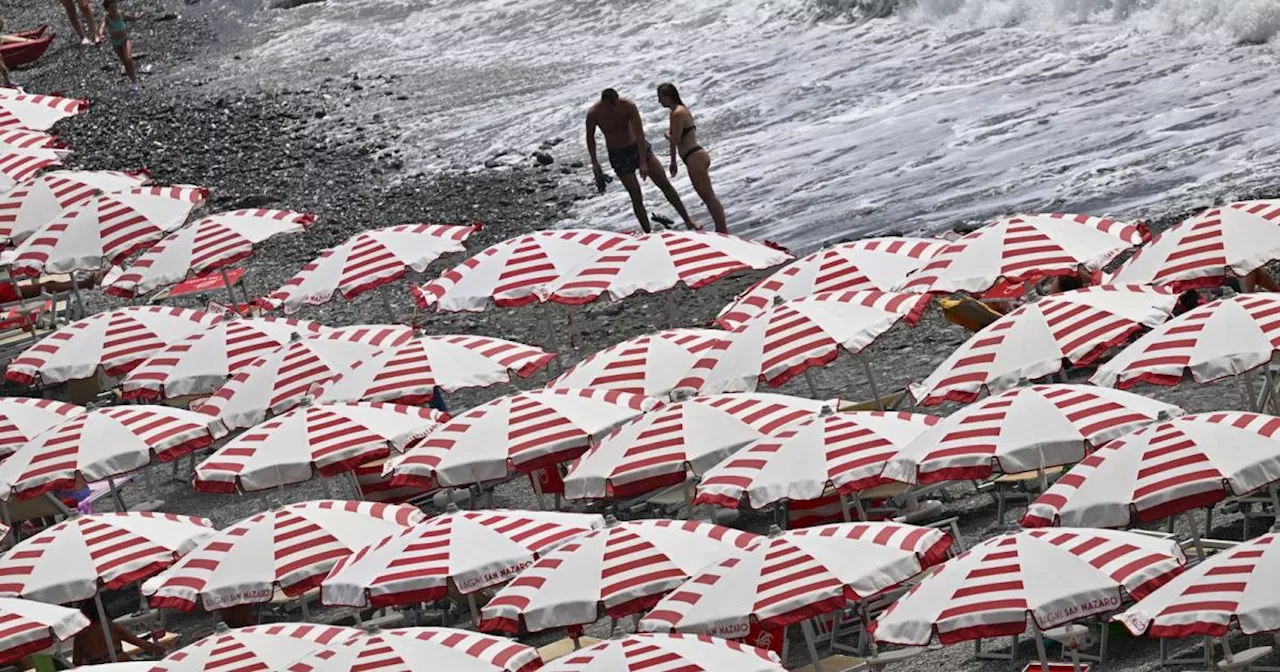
(114, 26)
(629, 153)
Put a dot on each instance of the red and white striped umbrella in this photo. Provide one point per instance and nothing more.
(1218, 340)
(1234, 239)
(1054, 576)
(27, 626)
(23, 138)
(423, 650)
(202, 362)
(651, 364)
(621, 570)
(463, 550)
(1025, 248)
(512, 272)
(667, 653)
(326, 439)
(117, 341)
(211, 243)
(280, 379)
(878, 264)
(845, 451)
(410, 372)
(23, 419)
(291, 547)
(663, 447)
(1034, 340)
(37, 112)
(18, 165)
(41, 200)
(656, 262)
(1164, 469)
(255, 649)
(365, 261)
(1023, 429)
(69, 561)
(1237, 583)
(102, 231)
(99, 444)
(525, 432)
(793, 576)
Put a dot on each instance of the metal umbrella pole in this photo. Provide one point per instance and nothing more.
(106, 627)
(226, 282)
(871, 379)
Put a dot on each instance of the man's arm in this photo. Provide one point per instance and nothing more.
(125, 635)
(642, 144)
(591, 150)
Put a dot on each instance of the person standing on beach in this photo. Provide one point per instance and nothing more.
(619, 120)
(696, 159)
(115, 25)
(75, 9)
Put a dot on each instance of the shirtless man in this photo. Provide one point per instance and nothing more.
(624, 139)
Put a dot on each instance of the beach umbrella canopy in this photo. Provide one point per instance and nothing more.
(1038, 339)
(784, 342)
(793, 576)
(1217, 340)
(280, 379)
(1026, 428)
(667, 653)
(315, 438)
(651, 364)
(27, 626)
(23, 138)
(24, 418)
(98, 232)
(622, 569)
(1054, 576)
(213, 242)
(844, 451)
(99, 444)
(116, 341)
(37, 112)
(1164, 469)
(204, 361)
(512, 272)
(878, 264)
(289, 547)
(18, 165)
(410, 372)
(42, 199)
(69, 561)
(366, 261)
(423, 650)
(1024, 248)
(255, 649)
(525, 432)
(1232, 240)
(463, 550)
(663, 447)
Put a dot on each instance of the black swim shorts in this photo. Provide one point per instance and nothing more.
(626, 160)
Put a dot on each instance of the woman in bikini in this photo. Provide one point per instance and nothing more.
(684, 143)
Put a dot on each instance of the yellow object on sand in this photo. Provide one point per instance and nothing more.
(967, 312)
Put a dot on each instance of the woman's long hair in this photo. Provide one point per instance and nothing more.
(668, 90)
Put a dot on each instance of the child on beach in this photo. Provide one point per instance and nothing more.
(115, 25)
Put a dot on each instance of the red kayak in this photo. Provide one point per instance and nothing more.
(35, 33)
(17, 55)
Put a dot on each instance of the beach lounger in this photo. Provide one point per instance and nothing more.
(564, 647)
(968, 312)
(837, 663)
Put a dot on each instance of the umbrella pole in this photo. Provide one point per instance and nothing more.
(356, 491)
(844, 507)
(75, 293)
(550, 345)
(231, 291)
(806, 626)
(871, 380)
(106, 627)
(813, 387)
(1044, 655)
(537, 488)
(1208, 652)
(671, 310)
(1195, 534)
(475, 611)
(324, 486)
(115, 494)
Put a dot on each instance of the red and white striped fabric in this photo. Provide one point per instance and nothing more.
(1218, 340)
(27, 626)
(878, 264)
(203, 361)
(1021, 430)
(1031, 342)
(1234, 239)
(667, 653)
(25, 139)
(1164, 469)
(423, 650)
(291, 547)
(664, 447)
(622, 569)
(211, 243)
(462, 550)
(18, 165)
(1025, 248)
(97, 233)
(101, 443)
(1055, 576)
(117, 341)
(41, 200)
(525, 432)
(410, 372)
(255, 649)
(793, 576)
(657, 262)
(280, 379)
(651, 364)
(23, 419)
(784, 342)
(366, 261)
(71, 560)
(512, 272)
(37, 112)
(326, 439)
(1237, 583)
(844, 451)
